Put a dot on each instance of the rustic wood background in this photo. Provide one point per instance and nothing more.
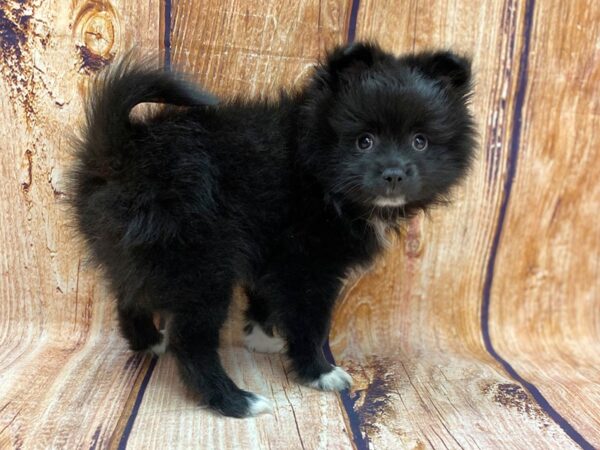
(480, 329)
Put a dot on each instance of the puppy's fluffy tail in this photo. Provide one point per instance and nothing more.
(113, 95)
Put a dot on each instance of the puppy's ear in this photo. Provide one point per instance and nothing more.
(353, 57)
(448, 67)
(347, 61)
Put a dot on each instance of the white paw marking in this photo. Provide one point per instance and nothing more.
(336, 380)
(259, 341)
(161, 347)
(257, 404)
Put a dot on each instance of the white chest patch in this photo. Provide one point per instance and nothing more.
(391, 202)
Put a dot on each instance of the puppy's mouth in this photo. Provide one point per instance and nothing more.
(390, 202)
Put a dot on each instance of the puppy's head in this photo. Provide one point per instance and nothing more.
(386, 131)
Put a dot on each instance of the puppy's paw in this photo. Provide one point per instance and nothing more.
(257, 340)
(257, 405)
(336, 380)
(161, 347)
(241, 404)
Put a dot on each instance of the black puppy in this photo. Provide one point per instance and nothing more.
(283, 197)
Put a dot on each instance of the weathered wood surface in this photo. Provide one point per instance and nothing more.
(481, 327)
(65, 376)
(556, 195)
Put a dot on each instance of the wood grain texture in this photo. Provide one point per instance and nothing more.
(479, 329)
(548, 321)
(441, 400)
(65, 375)
(253, 48)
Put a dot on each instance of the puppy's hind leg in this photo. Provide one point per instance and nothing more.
(194, 339)
(259, 333)
(138, 328)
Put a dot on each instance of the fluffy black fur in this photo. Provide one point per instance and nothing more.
(282, 197)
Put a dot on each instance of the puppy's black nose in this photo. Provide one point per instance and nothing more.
(393, 176)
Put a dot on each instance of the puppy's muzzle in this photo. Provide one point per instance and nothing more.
(394, 177)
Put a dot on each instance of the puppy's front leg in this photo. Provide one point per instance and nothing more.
(304, 317)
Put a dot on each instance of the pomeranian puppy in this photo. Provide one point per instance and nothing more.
(282, 197)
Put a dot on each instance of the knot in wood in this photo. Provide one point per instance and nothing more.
(96, 28)
(99, 34)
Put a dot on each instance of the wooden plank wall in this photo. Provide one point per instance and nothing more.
(479, 329)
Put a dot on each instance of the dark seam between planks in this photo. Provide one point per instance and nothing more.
(352, 21)
(136, 405)
(517, 127)
(360, 442)
(95, 437)
(167, 36)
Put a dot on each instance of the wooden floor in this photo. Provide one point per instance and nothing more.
(480, 328)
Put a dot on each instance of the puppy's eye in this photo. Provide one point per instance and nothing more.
(365, 142)
(420, 142)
